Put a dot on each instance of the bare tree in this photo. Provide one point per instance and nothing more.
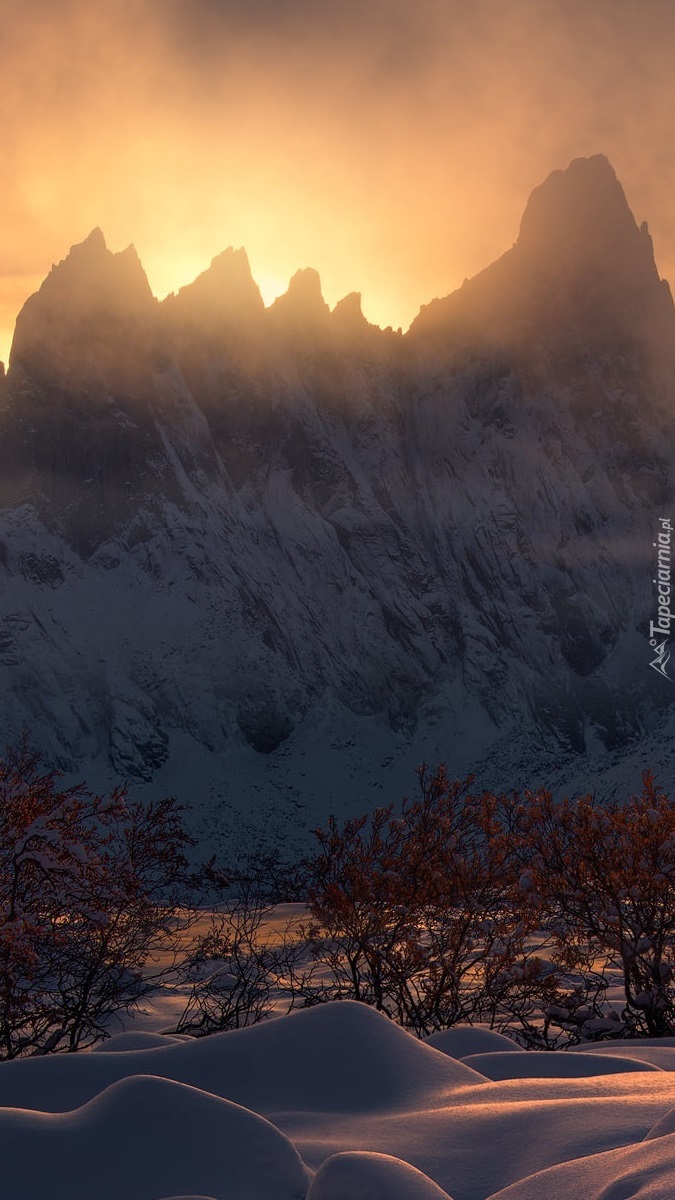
(417, 912)
(602, 877)
(89, 892)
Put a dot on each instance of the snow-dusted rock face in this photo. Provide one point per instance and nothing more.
(239, 536)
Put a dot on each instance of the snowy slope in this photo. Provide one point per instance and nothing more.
(273, 559)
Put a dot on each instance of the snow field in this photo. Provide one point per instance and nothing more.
(337, 1103)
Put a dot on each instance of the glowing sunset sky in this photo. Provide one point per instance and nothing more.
(389, 143)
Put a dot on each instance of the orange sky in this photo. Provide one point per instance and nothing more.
(391, 145)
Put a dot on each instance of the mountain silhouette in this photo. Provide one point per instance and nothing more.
(580, 274)
(279, 556)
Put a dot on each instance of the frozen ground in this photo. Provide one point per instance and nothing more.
(337, 1103)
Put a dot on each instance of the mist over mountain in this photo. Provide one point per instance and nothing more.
(271, 559)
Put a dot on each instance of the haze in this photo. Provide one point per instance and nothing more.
(392, 146)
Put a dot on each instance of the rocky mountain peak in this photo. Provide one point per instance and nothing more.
(348, 313)
(578, 220)
(581, 268)
(226, 290)
(93, 247)
(92, 276)
(303, 303)
(88, 287)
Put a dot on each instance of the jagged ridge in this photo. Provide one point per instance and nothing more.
(220, 520)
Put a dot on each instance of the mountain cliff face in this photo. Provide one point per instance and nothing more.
(278, 556)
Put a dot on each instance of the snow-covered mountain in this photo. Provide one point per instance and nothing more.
(270, 559)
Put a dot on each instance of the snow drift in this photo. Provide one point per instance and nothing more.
(339, 1104)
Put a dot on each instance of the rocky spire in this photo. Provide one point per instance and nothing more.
(91, 287)
(226, 291)
(303, 304)
(91, 275)
(580, 265)
(348, 314)
(578, 222)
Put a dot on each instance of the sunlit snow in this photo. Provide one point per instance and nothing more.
(337, 1103)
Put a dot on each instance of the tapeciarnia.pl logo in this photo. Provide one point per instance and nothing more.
(665, 616)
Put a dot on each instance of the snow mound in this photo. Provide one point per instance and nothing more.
(156, 1138)
(661, 1053)
(360, 1175)
(335, 1057)
(342, 1056)
(642, 1172)
(342, 1091)
(135, 1040)
(529, 1064)
(462, 1040)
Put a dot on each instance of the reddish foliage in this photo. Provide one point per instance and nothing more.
(85, 897)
